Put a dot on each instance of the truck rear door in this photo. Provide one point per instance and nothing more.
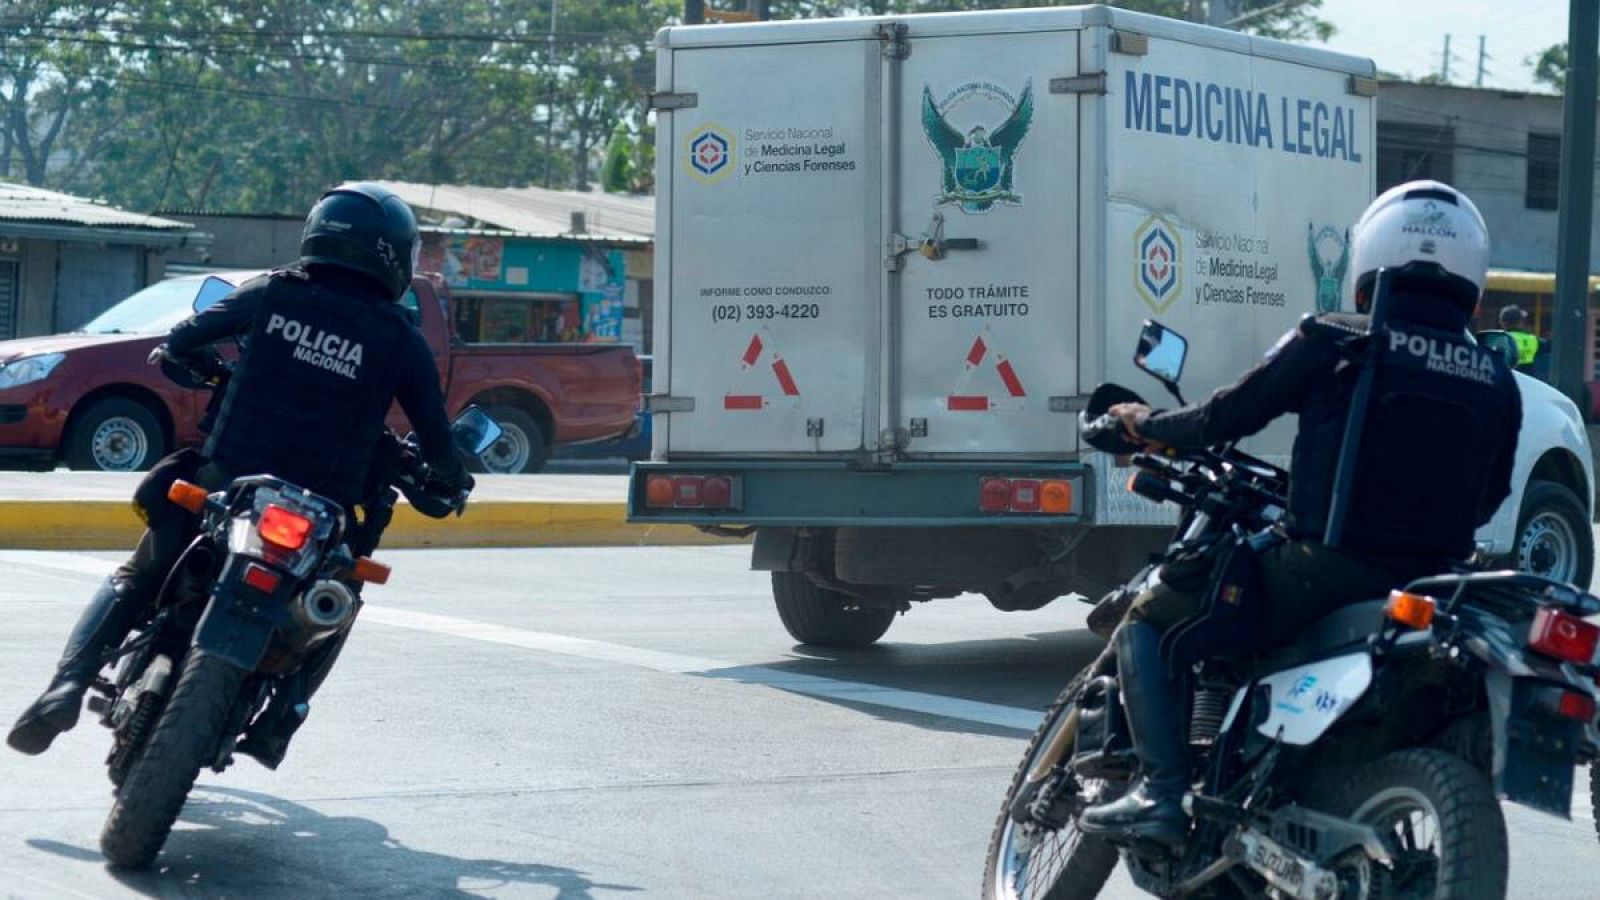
(775, 253)
(989, 163)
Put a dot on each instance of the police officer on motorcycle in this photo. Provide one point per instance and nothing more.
(1412, 510)
(326, 350)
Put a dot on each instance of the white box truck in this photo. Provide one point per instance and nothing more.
(894, 255)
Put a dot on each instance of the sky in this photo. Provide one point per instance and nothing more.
(1407, 36)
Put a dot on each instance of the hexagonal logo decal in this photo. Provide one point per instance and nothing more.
(710, 153)
(1158, 252)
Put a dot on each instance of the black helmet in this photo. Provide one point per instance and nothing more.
(367, 229)
(1512, 318)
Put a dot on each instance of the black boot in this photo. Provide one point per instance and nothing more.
(267, 739)
(111, 614)
(1152, 809)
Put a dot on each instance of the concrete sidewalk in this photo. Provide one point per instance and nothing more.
(92, 511)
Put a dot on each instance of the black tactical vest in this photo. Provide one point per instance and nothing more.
(1442, 411)
(313, 386)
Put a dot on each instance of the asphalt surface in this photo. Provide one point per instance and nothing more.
(596, 723)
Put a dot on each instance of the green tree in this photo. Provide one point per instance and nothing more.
(1270, 18)
(1550, 67)
(42, 81)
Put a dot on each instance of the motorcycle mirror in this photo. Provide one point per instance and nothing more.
(1500, 342)
(475, 430)
(211, 290)
(1161, 352)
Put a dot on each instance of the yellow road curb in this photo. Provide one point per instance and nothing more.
(109, 525)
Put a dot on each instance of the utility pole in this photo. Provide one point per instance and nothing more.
(694, 12)
(1573, 222)
(1221, 13)
(550, 102)
(1483, 57)
(1444, 69)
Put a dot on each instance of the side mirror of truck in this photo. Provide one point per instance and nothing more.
(1499, 342)
(1161, 352)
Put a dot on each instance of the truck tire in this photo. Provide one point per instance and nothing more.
(1554, 537)
(115, 434)
(521, 448)
(814, 615)
(158, 783)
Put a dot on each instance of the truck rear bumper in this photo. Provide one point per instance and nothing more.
(841, 493)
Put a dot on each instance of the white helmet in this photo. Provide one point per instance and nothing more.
(1431, 230)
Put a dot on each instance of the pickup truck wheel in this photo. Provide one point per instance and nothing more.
(814, 615)
(1553, 535)
(115, 434)
(521, 447)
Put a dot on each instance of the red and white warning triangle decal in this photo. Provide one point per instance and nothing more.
(763, 379)
(1006, 391)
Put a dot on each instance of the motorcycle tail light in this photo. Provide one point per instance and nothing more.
(1563, 636)
(1410, 610)
(188, 496)
(1576, 706)
(262, 579)
(283, 528)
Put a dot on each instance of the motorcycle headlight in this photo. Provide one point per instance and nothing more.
(28, 369)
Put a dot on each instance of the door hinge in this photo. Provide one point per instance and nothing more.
(1066, 404)
(1130, 43)
(663, 403)
(1087, 83)
(1362, 86)
(814, 428)
(669, 100)
(895, 43)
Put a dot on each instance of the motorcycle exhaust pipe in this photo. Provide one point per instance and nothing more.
(325, 606)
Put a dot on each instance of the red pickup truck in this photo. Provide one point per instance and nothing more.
(89, 398)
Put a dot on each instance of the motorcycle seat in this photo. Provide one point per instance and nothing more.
(1341, 631)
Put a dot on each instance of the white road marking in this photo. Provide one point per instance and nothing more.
(975, 711)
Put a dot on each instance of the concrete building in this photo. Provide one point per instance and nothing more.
(1503, 148)
(65, 259)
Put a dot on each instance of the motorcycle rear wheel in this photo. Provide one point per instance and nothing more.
(1440, 819)
(1026, 862)
(184, 742)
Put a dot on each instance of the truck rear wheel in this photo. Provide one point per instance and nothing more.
(521, 447)
(814, 615)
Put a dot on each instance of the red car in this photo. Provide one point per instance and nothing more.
(90, 399)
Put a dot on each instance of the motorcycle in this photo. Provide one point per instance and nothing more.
(1361, 760)
(248, 620)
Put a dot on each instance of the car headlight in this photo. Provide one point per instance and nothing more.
(28, 369)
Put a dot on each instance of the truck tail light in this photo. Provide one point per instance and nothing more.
(1563, 636)
(692, 492)
(997, 494)
(1576, 706)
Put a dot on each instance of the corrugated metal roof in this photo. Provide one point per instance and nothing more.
(534, 212)
(23, 203)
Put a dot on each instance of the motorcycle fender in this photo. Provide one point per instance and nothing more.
(1305, 701)
(235, 631)
(1535, 754)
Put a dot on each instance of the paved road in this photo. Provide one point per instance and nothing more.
(596, 723)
